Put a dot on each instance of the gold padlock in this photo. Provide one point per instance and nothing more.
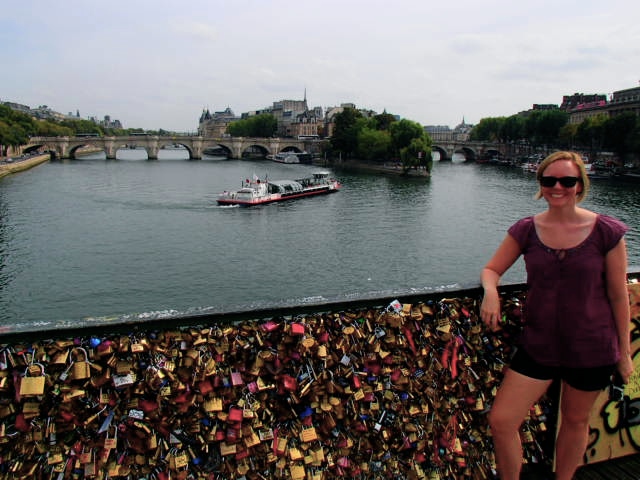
(80, 368)
(32, 385)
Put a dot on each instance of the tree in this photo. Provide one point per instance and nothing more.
(591, 133)
(402, 132)
(384, 120)
(418, 152)
(345, 134)
(373, 144)
(82, 126)
(542, 127)
(618, 133)
(263, 125)
(488, 129)
(568, 135)
(512, 128)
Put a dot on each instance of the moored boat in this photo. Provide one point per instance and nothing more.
(290, 157)
(259, 192)
(284, 157)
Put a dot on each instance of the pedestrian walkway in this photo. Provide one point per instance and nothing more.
(623, 468)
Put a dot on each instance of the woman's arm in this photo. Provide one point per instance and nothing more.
(618, 294)
(507, 253)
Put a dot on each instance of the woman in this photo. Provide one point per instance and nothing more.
(577, 320)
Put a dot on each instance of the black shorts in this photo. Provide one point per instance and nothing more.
(586, 379)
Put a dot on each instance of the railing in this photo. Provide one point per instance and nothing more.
(371, 387)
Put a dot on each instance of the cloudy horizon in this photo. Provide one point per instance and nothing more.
(159, 64)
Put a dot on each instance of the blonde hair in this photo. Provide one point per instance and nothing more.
(571, 156)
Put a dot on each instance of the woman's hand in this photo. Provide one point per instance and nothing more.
(490, 309)
(625, 367)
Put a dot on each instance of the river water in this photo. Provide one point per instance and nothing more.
(109, 239)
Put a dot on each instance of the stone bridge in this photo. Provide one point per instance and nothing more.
(473, 151)
(234, 147)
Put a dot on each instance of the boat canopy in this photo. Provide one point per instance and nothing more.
(286, 186)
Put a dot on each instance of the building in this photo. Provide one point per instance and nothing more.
(215, 124)
(581, 106)
(43, 112)
(106, 122)
(442, 133)
(307, 124)
(571, 102)
(624, 101)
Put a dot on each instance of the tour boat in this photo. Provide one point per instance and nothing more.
(258, 192)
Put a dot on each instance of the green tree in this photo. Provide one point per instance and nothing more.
(542, 127)
(52, 129)
(512, 129)
(402, 132)
(263, 125)
(384, 120)
(82, 126)
(239, 128)
(417, 153)
(345, 135)
(487, 129)
(618, 132)
(591, 133)
(568, 135)
(373, 144)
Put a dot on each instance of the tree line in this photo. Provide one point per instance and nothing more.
(382, 138)
(17, 127)
(619, 134)
(379, 138)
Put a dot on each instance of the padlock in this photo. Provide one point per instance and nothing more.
(80, 367)
(32, 383)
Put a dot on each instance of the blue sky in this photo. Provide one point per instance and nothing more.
(156, 64)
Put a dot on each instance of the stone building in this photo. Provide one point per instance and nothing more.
(624, 101)
(581, 106)
(215, 124)
(442, 133)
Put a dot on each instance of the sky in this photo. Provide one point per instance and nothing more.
(158, 64)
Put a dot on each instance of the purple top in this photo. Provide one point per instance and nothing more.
(568, 319)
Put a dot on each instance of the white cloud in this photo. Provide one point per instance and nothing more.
(153, 64)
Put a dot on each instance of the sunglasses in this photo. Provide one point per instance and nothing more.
(566, 182)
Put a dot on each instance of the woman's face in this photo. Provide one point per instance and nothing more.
(559, 195)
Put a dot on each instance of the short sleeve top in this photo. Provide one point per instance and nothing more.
(568, 320)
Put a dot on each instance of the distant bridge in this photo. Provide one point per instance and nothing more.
(472, 151)
(233, 147)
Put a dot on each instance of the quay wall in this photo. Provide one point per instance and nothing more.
(21, 165)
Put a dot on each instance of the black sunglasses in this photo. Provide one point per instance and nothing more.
(566, 182)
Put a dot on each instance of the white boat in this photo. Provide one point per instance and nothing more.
(530, 167)
(284, 157)
(258, 192)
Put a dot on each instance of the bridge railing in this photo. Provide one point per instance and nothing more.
(388, 386)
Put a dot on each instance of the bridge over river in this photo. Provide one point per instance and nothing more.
(232, 147)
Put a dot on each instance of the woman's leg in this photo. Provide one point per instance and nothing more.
(573, 435)
(515, 397)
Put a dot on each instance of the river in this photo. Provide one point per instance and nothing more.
(109, 239)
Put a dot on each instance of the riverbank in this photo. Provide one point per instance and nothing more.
(22, 163)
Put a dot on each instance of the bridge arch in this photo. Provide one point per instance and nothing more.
(252, 149)
(469, 154)
(217, 146)
(441, 151)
